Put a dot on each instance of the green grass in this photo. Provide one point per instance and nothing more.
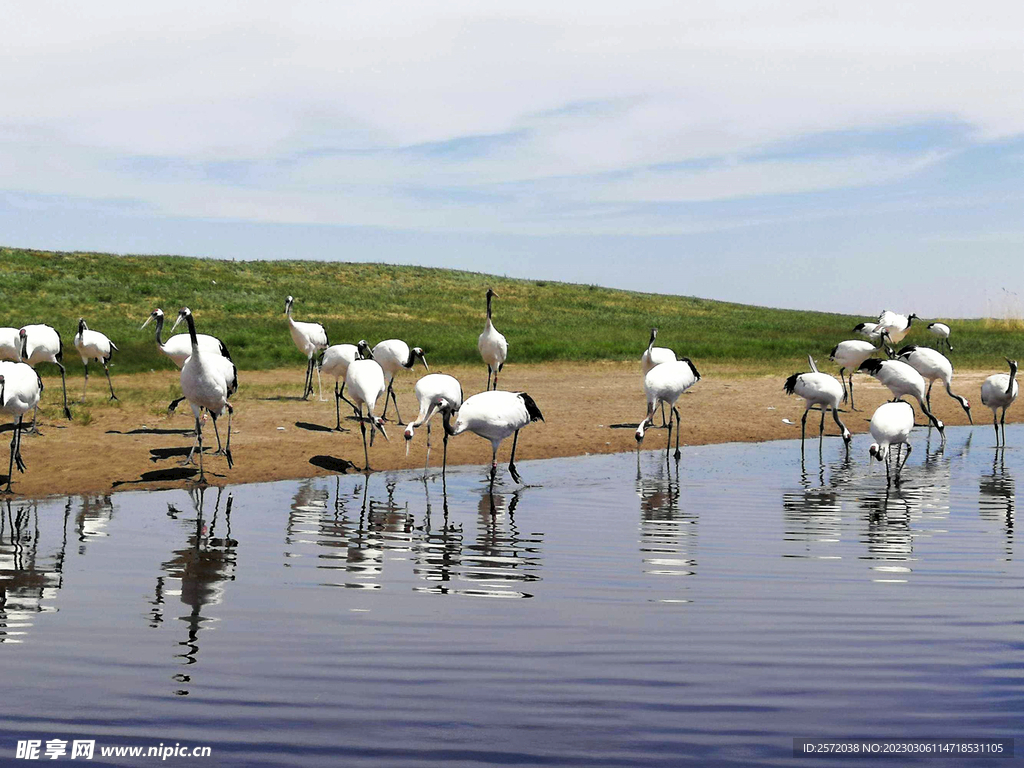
(437, 309)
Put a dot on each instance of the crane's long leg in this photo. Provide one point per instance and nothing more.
(843, 380)
(899, 469)
(220, 448)
(426, 466)
(665, 423)
(319, 382)
(10, 468)
(394, 398)
(679, 428)
(337, 406)
(995, 423)
(227, 449)
(366, 452)
(803, 427)
(86, 385)
(494, 462)
(1002, 423)
(496, 379)
(852, 406)
(444, 460)
(669, 443)
(821, 427)
(64, 389)
(512, 460)
(109, 384)
(888, 457)
(19, 432)
(387, 397)
(928, 394)
(199, 436)
(488, 378)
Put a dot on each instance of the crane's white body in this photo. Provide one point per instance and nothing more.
(942, 331)
(933, 366)
(435, 392)
(493, 346)
(891, 425)
(365, 382)
(20, 390)
(897, 326)
(93, 345)
(335, 362)
(179, 347)
(848, 355)
(10, 345)
(309, 339)
(393, 355)
(207, 381)
(869, 330)
(821, 390)
(494, 415)
(42, 344)
(903, 381)
(663, 384)
(1000, 391)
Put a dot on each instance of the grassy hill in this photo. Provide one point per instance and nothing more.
(440, 310)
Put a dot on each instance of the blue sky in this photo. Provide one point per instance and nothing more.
(800, 154)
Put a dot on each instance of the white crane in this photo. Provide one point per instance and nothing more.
(849, 355)
(42, 344)
(179, 347)
(310, 338)
(394, 355)
(895, 325)
(870, 330)
(207, 380)
(901, 379)
(942, 331)
(664, 384)
(10, 344)
(334, 362)
(435, 392)
(817, 389)
(365, 382)
(890, 426)
(999, 391)
(20, 390)
(492, 345)
(933, 366)
(651, 357)
(495, 415)
(93, 345)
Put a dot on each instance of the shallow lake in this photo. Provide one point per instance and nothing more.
(615, 611)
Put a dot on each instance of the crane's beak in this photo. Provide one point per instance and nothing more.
(176, 323)
(145, 323)
(969, 417)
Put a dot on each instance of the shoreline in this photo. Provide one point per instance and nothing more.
(136, 445)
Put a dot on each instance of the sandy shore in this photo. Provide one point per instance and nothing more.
(135, 444)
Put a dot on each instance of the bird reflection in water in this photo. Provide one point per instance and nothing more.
(439, 555)
(998, 496)
(30, 576)
(668, 533)
(502, 557)
(813, 514)
(92, 519)
(201, 569)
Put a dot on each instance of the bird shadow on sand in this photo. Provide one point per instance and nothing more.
(332, 464)
(151, 431)
(160, 475)
(282, 398)
(159, 454)
(312, 427)
(634, 426)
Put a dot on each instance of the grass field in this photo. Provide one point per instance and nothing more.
(437, 309)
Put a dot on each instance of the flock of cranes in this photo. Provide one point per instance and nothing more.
(209, 378)
(904, 374)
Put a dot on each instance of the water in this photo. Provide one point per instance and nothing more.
(598, 616)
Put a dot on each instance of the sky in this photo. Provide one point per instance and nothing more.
(836, 156)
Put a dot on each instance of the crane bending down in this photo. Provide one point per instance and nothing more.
(817, 389)
(335, 362)
(93, 345)
(902, 379)
(891, 425)
(492, 345)
(20, 390)
(664, 384)
(365, 381)
(394, 355)
(207, 380)
(651, 357)
(310, 338)
(495, 415)
(42, 344)
(933, 366)
(435, 392)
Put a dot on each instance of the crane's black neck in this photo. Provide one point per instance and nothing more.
(192, 332)
(489, 297)
(159, 329)
(24, 348)
(411, 361)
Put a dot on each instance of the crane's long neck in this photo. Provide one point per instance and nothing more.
(650, 344)
(410, 361)
(159, 330)
(24, 349)
(1013, 376)
(192, 334)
